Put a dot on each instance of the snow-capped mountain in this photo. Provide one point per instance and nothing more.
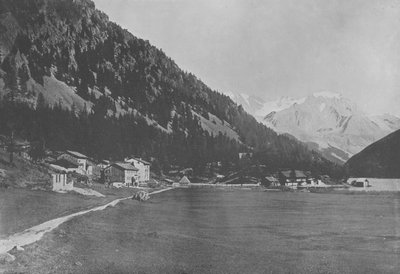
(259, 107)
(250, 103)
(282, 103)
(331, 123)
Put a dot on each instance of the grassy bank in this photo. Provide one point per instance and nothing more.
(23, 208)
(222, 231)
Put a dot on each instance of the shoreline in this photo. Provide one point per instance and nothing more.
(35, 233)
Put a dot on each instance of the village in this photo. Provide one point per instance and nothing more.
(69, 167)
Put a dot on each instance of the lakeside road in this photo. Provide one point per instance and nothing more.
(34, 234)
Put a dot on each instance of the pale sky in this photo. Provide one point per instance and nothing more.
(274, 48)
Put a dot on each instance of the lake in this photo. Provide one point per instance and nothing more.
(204, 230)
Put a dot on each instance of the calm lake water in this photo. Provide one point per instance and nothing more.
(243, 231)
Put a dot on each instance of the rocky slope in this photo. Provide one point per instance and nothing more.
(259, 107)
(332, 124)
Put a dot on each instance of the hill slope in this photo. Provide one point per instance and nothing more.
(78, 60)
(379, 160)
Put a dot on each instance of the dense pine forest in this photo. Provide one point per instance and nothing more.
(378, 160)
(133, 98)
(113, 138)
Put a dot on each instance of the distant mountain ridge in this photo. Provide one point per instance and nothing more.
(327, 121)
(334, 123)
(259, 107)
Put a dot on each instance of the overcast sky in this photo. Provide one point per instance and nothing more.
(273, 48)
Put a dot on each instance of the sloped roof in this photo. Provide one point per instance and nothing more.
(357, 179)
(105, 162)
(139, 160)
(271, 179)
(297, 174)
(64, 163)
(184, 180)
(77, 154)
(125, 166)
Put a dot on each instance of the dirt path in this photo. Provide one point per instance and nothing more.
(35, 233)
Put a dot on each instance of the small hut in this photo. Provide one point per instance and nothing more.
(184, 181)
(270, 181)
(358, 182)
(61, 181)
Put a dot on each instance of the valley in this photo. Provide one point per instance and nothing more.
(199, 136)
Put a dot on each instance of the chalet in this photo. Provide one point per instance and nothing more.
(292, 178)
(358, 182)
(142, 166)
(270, 181)
(124, 173)
(61, 182)
(77, 159)
(184, 181)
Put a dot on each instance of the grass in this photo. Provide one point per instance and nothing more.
(219, 231)
(21, 206)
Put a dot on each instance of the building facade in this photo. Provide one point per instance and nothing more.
(142, 166)
(292, 178)
(61, 182)
(124, 173)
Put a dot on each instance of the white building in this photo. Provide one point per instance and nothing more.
(142, 166)
(60, 182)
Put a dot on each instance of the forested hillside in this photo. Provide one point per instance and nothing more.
(379, 160)
(73, 79)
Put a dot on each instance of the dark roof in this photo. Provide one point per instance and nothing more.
(125, 166)
(64, 163)
(77, 154)
(56, 171)
(140, 160)
(296, 173)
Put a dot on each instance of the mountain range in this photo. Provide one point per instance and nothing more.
(326, 121)
(68, 62)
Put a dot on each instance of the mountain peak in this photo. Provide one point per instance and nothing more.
(327, 94)
(331, 121)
